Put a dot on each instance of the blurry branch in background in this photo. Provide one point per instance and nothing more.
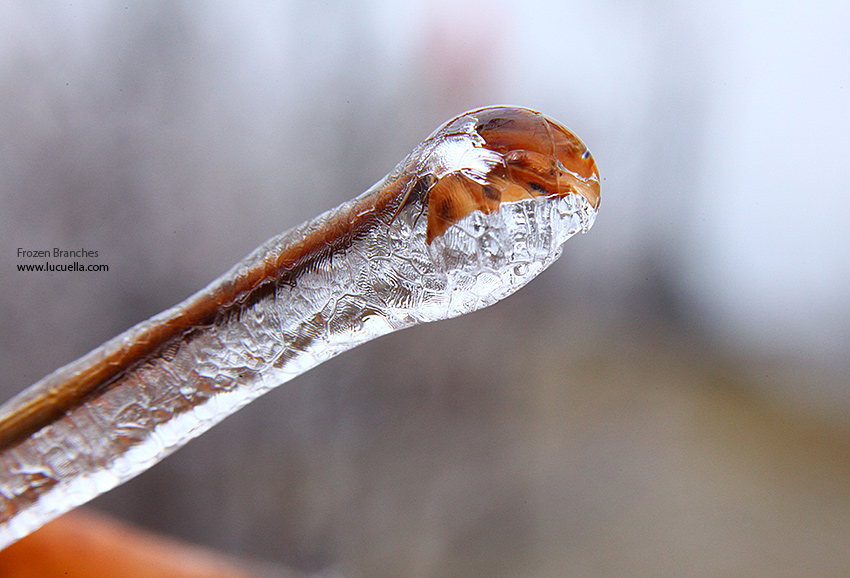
(85, 544)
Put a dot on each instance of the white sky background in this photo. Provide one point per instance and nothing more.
(776, 268)
(721, 129)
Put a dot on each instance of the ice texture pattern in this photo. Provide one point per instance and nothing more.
(364, 282)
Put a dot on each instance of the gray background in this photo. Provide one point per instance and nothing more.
(671, 397)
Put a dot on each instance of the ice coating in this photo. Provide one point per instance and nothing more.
(488, 156)
(474, 213)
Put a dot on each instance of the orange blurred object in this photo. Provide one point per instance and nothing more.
(89, 545)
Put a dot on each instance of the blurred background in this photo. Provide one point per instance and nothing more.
(670, 398)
